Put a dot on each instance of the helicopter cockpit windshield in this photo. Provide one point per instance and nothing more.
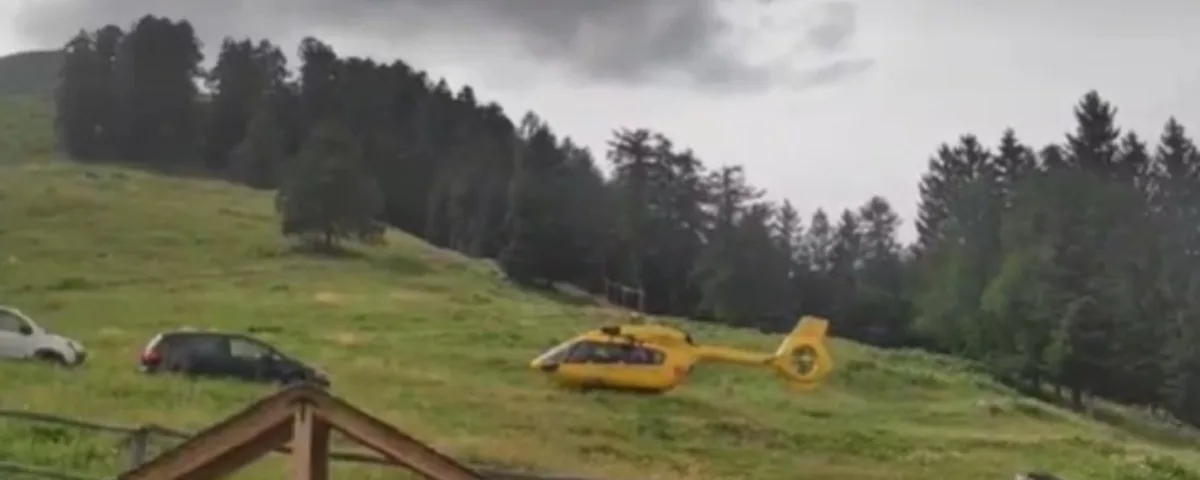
(553, 356)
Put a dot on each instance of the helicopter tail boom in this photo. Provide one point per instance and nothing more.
(802, 358)
(716, 353)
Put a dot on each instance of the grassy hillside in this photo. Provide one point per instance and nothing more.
(26, 130)
(436, 344)
(29, 72)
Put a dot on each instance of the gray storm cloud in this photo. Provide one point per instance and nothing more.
(595, 41)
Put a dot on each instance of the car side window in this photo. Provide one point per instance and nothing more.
(10, 323)
(209, 346)
(247, 349)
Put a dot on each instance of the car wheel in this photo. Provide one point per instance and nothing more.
(177, 365)
(298, 379)
(51, 357)
(290, 380)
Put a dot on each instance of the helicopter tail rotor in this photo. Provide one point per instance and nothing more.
(803, 358)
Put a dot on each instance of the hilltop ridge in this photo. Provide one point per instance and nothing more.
(30, 72)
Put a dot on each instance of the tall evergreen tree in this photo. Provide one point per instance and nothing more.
(936, 189)
(880, 302)
(326, 196)
(245, 73)
(260, 156)
(155, 70)
(719, 269)
(1014, 162)
(1092, 147)
(535, 224)
(1175, 208)
(817, 249)
(78, 113)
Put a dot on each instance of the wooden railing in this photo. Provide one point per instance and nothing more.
(139, 443)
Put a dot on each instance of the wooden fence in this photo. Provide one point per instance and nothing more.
(139, 444)
(625, 296)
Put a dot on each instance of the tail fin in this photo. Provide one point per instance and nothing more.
(803, 358)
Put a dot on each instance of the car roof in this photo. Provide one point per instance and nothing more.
(204, 333)
(184, 333)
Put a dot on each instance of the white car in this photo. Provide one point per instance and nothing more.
(22, 338)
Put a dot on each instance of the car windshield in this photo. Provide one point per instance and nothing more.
(13, 319)
(249, 347)
(280, 353)
(277, 353)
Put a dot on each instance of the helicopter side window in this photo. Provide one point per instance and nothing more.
(607, 354)
(579, 353)
(636, 355)
(591, 352)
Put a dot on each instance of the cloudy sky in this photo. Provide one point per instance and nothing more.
(825, 102)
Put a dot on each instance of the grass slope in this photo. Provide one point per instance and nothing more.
(30, 72)
(436, 344)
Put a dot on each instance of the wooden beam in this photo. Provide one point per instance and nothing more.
(238, 457)
(310, 445)
(390, 442)
(221, 446)
(257, 423)
(306, 415)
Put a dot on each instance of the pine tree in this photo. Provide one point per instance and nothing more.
(1092, 147)
(259, 157)
(952, 276)
(244, 73)
(1175, 208)
(936, 190)
(78, 115)
(719, 270)
(633, 159)
(789, 235)
(326, 196)
(534, 226)
(845, 261)
(879, 296)
(1052, 157)
(159, 125)
(1014, 162)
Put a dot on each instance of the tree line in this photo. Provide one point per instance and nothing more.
(1071, 268)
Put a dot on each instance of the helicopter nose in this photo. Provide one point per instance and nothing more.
(541, 364)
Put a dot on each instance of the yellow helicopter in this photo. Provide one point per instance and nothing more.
(657, 358)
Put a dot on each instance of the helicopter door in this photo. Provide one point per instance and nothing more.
(586, 364)
(593, 364)
(644, 367)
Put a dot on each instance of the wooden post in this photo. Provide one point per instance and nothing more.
(310, 446)
(138, 443)
(620, 294)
